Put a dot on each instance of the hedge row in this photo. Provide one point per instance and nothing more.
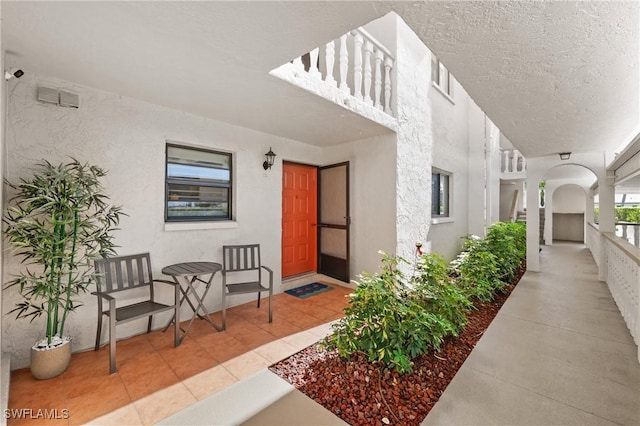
(394, 317)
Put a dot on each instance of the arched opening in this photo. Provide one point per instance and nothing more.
(566, 208)
(568, 213)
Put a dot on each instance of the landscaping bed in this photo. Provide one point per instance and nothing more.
(370, 393)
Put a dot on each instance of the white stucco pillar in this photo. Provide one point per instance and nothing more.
(521, 197)
(589, 214)
(548, 215)
(606, 192)
(477, 169)
(414, 141)
(492, 173)
(533, 225)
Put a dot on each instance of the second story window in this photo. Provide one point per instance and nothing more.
(198, 184)
(441, 76)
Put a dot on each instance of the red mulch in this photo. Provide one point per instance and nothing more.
(367, 393)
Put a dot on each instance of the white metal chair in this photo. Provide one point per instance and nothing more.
(242, 273)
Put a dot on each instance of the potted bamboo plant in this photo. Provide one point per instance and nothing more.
(57, 221)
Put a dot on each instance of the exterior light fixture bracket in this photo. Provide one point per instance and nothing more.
(271, 156)
(564, 155)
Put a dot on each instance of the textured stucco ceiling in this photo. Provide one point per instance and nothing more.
(554, 76)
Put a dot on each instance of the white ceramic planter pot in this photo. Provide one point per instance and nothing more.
(49, 363)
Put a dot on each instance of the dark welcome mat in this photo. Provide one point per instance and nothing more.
(308, 290)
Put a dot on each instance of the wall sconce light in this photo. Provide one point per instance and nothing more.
(271, 156)
(565, 155)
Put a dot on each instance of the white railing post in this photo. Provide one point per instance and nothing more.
(368, 50)
(329, 59)
(313, 63)
(388, 63)
(297, 62)
(372, 68)
(344, 63)
(514, 161)
(377, 78)
(357, 65)
(505, 161)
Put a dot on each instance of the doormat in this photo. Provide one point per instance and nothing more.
(308, 290)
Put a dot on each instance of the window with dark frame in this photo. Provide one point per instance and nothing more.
(439, 194)
(198, 184)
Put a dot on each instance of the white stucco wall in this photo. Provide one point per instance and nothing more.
(3, 117)
(569, 199)
(415, 140)
(372, 198)
(476, 185)
(450, 124)
(127, 137)
(507, 190)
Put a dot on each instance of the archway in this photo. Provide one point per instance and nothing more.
(567, 188)
(552, 167)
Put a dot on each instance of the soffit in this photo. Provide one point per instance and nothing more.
(553, 76)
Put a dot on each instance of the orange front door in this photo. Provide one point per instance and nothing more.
(299, 215)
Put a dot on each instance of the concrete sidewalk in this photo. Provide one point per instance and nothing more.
(558, 352)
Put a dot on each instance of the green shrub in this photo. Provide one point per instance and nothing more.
(485, 265)
(435, 290)
(479, 276)
(627, 214)
(393, 319)
(507, 241)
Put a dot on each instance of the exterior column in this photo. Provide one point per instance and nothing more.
(533, 224)
(548, 215)
(606, 193)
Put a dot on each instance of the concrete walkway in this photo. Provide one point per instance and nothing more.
(558, 352)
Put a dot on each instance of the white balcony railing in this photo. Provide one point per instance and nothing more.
(622, 264)
(513, 164)
(355, 66)
(623, 280)
(629, 231)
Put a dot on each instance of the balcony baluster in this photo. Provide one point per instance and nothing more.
(330, 54)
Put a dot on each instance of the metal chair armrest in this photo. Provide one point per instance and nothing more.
(104, 296)
(270, 271)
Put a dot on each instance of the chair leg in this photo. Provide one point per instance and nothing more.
(149, 326)
(224, 308)
(99, 333)
(270, 315)
(112, 337)
(112, 345)
(258, 299)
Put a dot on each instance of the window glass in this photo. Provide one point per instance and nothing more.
(439, 194)
(198, 184)
(441, 76)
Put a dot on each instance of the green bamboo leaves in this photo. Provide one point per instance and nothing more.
(58, 221)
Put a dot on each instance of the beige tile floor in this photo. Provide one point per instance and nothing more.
(155, 380)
